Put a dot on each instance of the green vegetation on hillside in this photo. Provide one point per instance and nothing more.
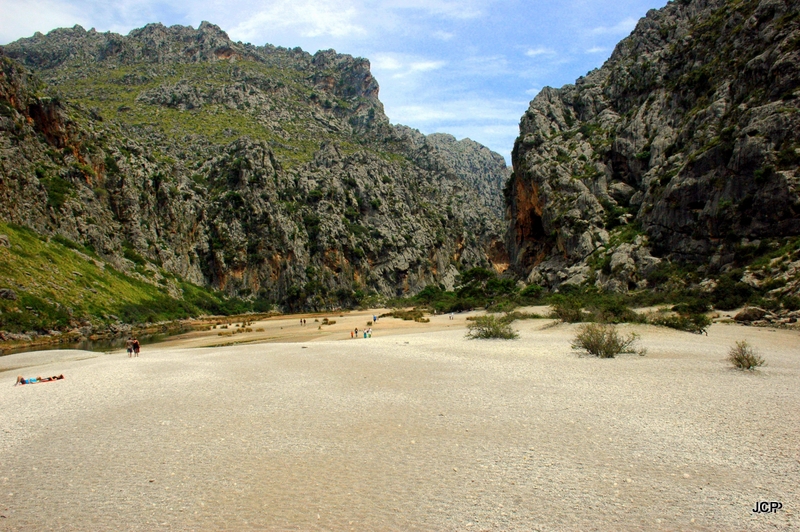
(270, 174)
(673, 286)
(216, 101)
(59, 284)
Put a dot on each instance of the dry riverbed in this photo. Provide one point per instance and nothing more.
(415, 428)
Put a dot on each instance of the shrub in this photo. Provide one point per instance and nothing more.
(791, 303)
(614, 310)
(407, 315)
(568, 309)
(659, 275)
(532, 291)
(57, 189)
(692, 306)
(603, 341)
(503, 305)
(730, 293)
(429, 294)
(516, 315)
(67, 243)
(695, 323)
(500, 286)
(743, 356)
(491, 327)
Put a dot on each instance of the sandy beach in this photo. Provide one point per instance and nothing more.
(415, 428)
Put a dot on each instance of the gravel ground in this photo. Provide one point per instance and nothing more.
(424, 431)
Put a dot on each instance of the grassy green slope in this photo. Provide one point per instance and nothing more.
(60, 284)
(285, 95)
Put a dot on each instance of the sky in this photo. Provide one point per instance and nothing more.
(464, 67)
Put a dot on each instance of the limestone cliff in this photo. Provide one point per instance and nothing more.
(684, 147)
(262, 171)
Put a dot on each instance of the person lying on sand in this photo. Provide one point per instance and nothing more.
(21, 380)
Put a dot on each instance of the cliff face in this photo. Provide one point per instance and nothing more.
(261, 171)
(475, 164)
(684, 147)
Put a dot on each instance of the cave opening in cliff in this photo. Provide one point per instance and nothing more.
(536, 227)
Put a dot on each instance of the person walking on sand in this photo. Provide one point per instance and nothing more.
(356, 333)
(136, 347)
(129, 347)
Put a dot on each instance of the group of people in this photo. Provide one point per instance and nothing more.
(302, 321)
(367, 333)
(22, 380)
(133, 347)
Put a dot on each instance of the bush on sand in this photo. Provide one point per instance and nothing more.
(491, 327)
(743, 356)
(603, 340)
(568, 309)
(695, 323)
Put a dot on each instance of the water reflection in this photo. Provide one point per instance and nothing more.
(99, 346)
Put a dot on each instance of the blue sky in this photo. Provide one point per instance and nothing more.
(465, 67)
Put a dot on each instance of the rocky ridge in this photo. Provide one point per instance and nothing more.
(682, 150)
(264, 172)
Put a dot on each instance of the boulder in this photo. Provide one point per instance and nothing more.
(7, 293)
(621, 192)
(750, 314)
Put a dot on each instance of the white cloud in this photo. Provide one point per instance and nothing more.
(443, 35)
(385, 62)
(535, 52)
(624, 27)
(426, 66)
(463, 110)
(596, 50)
(533, 91)
(402, 66)
(451, 9)
(23, 19)
(421, 113)
(310, 18)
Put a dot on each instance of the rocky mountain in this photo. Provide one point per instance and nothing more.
(263, 172)
(680, 155)
(475, 164)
